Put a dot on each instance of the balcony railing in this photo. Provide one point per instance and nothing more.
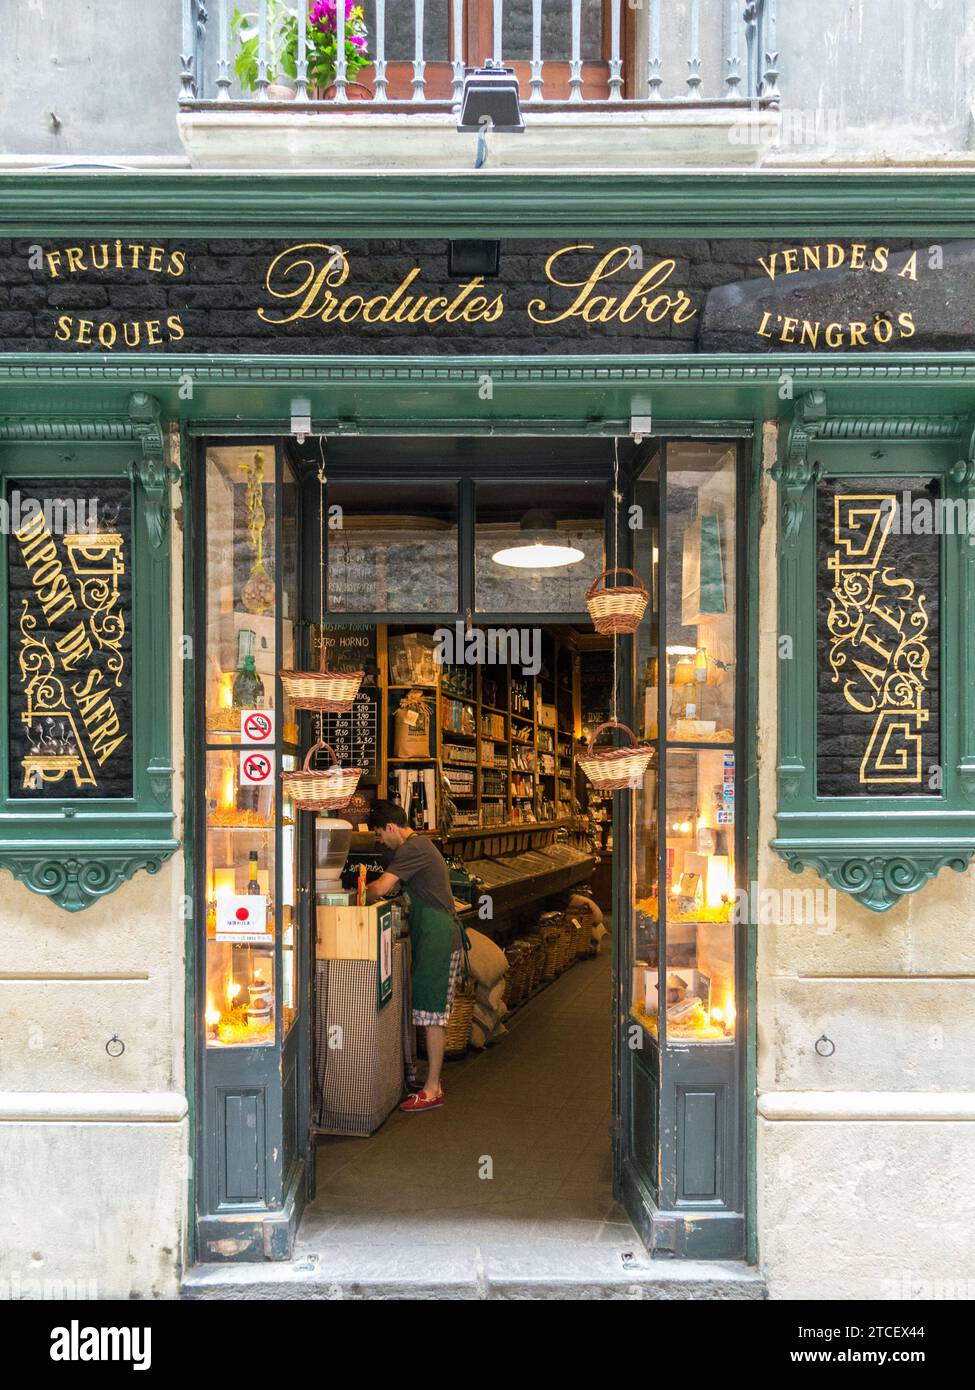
(571, 53)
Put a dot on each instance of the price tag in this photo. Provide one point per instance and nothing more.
(256, 768)
(257, 726)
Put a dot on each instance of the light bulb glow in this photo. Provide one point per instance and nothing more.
(538, 555)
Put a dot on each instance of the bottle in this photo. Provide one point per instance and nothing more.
(248, 690)
(253, 882)
(418, 804)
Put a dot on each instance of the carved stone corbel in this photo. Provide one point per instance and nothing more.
(794, 473)
(152, 472)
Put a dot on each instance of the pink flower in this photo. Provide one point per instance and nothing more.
(323, 15)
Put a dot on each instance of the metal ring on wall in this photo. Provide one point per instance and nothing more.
(115, 1046)
(825, 1046)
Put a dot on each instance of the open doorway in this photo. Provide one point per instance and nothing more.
(416, 561)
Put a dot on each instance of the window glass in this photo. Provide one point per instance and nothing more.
(700, 601)
(537, 546)
(392, 547)
(240, 791)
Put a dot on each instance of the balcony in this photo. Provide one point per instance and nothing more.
(605, 85)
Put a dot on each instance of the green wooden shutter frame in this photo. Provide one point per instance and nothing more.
(874, 848)
(76, 851)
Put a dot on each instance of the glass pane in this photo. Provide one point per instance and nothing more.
(240, 906)
(392, 547)
(537, 560)
(289, 732)
(597, 694)
(699, 506)
(240, 663)
(699, 856)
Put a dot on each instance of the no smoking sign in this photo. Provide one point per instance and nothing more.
(257, 726)
(256, 768)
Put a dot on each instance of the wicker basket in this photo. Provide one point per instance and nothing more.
(517, 967)
(567, 945)
(321, 790)
(537, 963)
(324, 692)
(460, 1020)
(619, 609)
(612, 769)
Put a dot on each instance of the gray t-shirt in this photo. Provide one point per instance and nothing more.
(418, 863)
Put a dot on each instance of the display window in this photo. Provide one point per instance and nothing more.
(684, 867)
(251, 869)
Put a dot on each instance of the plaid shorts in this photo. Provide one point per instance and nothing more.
(426, 1019)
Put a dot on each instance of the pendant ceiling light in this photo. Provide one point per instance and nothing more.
(542, 548)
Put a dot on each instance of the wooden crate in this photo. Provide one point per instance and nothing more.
(349, 933)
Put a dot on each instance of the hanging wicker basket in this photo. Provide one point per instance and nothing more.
(619, 609)
(328, 789)
(323, 691)
(612, 769)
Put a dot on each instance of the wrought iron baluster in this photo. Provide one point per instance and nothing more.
(419, 64)
(575, 66)
(341, 65)
(301, 63)
(187, 57)
(262, 77)
(379, 62)
(223, 52)
(536, 69)
(457, 95)
(769, 89)
(733, 74)
(654, 73)
(750, 16)
(616, 58)
(694, 61)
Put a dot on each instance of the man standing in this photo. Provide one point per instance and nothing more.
(437, 936)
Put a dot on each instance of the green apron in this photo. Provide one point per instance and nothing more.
(432, 938)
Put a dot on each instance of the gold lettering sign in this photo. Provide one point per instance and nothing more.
(74, 689)
(112, 257)
(872, 330)
(878, 649)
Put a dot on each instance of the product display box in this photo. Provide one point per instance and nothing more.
(352, 933)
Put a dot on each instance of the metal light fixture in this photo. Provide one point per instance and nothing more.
(542, 549)
(491, 101)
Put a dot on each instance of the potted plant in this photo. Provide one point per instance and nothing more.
(321, 46)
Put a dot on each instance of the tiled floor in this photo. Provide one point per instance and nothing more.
(520, 1152)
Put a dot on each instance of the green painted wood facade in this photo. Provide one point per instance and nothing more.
(116, 402)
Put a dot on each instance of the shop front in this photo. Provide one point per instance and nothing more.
(322, 439)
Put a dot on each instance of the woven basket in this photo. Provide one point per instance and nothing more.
(612, 769)
(517, 962)
(619, 609)
(537, 963)
(460, 1020)
(567, 945)
(321, 790)
(324, 692)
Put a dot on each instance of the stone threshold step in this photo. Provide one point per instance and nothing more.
(549, 1271)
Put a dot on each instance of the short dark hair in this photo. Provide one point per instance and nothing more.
(385, 813)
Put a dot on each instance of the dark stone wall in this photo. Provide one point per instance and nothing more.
(213, 305)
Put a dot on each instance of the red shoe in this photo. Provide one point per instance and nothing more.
(422, 1102)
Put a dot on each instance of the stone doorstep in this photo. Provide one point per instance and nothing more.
(484, 1272)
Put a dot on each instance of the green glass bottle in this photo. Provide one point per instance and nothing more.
(248, 686)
